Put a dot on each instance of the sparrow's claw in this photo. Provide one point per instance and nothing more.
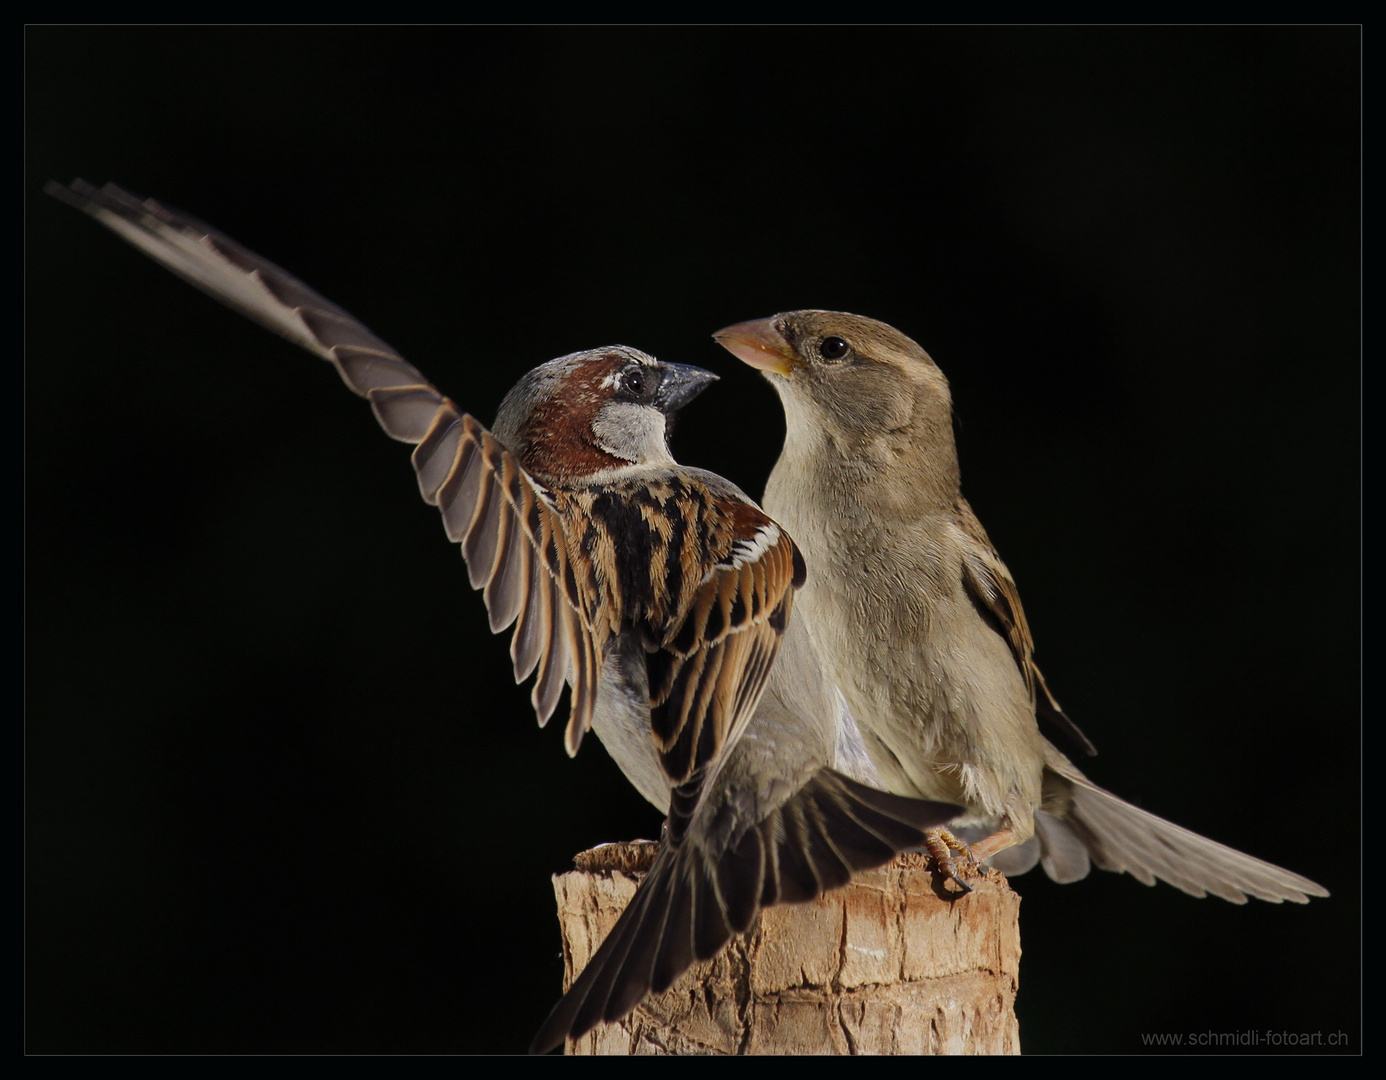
(939, 843)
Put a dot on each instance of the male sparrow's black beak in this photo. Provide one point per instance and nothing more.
(680, 384)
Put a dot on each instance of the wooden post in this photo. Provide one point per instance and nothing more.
(894, 963)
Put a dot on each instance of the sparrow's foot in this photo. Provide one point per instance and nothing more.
(940, 843)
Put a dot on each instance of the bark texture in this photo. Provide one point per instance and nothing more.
(894, 963)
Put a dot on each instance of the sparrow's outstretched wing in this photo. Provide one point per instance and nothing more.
(504, 520)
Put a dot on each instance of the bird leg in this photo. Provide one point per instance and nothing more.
(939, 843)
(997, 842)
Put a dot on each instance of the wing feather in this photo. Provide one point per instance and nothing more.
(483, 534)
(528, 641)
(505, 592)
(462, 496)
(553, 663)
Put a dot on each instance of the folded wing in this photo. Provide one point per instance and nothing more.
(993, 590)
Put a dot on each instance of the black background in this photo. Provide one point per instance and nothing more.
(281, 794)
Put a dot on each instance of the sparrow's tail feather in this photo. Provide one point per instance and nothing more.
(653, 936)
(1123, 838)
(698, 894)
(1064, 855)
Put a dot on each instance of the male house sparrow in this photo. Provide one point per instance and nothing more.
(660, 594)
(920, 624)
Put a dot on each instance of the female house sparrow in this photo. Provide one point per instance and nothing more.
(921, 626)
(659, 594)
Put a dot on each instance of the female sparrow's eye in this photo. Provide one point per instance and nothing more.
(833, 348)
(633, 381)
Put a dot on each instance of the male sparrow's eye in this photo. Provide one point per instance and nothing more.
(633, 382)
(833, 348)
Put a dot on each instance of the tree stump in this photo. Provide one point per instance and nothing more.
(896, 962)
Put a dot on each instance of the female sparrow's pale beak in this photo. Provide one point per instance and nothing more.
(679, 385)
(759, 344)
